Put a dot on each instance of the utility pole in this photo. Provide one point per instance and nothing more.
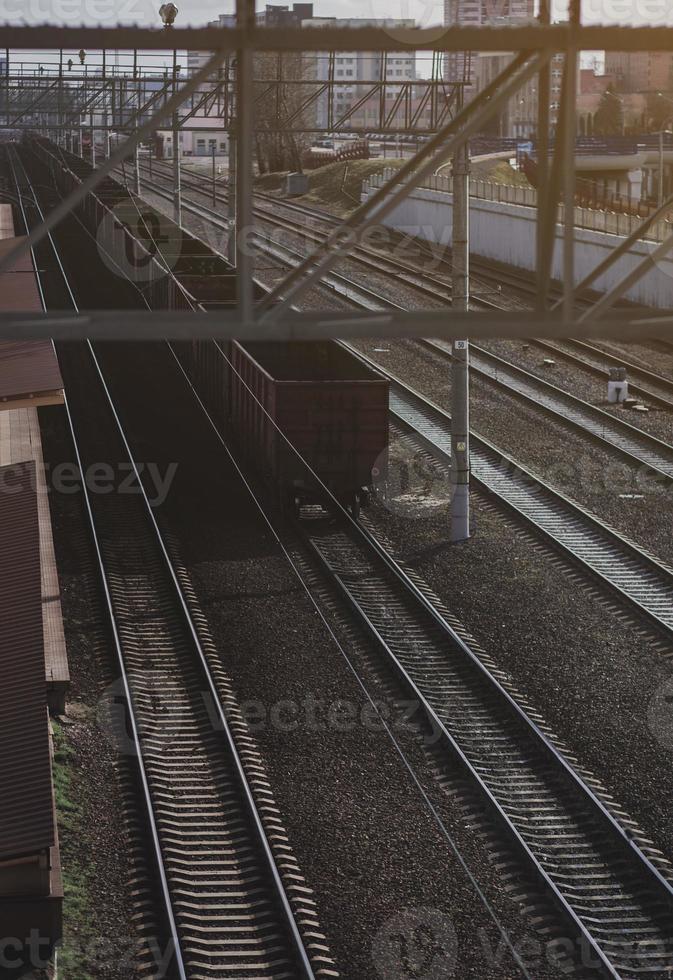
(136, 169)
(177, 191)
(245, 23)
(231, 198)
(460, 364)
(660, 195)
(214, 195)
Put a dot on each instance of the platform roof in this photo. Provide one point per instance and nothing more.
(29, 373)
(26, 799)
(18, 286)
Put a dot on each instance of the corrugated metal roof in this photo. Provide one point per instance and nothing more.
(18, 286)
(28, 367)
(6, 221)
(26, 803)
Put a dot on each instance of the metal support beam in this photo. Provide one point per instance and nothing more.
(76, 196)
(528, 37)
(180, 325)
(621, 249)
(136, 169)
(542, 161)
(460, 364)
(610, 298)
(214, 188)
(386, 198)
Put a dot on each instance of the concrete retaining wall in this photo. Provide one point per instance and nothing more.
(506, 233)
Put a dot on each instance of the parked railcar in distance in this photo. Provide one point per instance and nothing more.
(318, 398)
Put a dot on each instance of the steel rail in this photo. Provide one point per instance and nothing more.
(637, 577)
(302, 958)
(632, 443)
(363, 588)
(552, 885)
(435, 288)
(130, 712)
(564, 535)
(588, 356)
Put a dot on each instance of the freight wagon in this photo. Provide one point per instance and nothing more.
(269, 396)
(314, 403)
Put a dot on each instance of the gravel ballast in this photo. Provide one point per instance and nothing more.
(363, 836)
(613, 489)
(595, 678)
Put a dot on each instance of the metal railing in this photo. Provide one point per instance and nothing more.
(608, 222)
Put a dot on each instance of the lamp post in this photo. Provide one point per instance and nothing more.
(168, 12)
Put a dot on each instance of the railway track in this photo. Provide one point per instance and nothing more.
(631, 442)
(636, 577)
(611, 889)
(648, 385)
(488, 282)
(581, 415)
(610, 886)
(230, 898)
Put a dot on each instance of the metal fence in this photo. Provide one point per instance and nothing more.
(609, 222)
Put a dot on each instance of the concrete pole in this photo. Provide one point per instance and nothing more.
(569, 109)
(460, 365)
(136, 170)
(177, 191)
(245, 21)
(93, 143)
(660, 195)
(231, 200)
(214, 195)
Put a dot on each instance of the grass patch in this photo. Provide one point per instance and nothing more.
(499, 172)
(77, 936)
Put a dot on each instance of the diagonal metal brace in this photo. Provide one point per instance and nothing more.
(383, 201)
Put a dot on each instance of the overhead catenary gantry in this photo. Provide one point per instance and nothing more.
(534, 46)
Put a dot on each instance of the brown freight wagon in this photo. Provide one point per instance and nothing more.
(318, 398)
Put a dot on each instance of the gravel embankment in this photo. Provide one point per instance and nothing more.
(362, 834)
(604, 483)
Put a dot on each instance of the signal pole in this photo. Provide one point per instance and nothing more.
(460, 364)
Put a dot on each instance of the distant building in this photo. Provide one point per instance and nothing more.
(459, 66)
(591, 83)
(352, 67)
(640, 71)
(348, 68)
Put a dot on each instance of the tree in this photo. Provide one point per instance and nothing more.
(658, 111)
(609, 117)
